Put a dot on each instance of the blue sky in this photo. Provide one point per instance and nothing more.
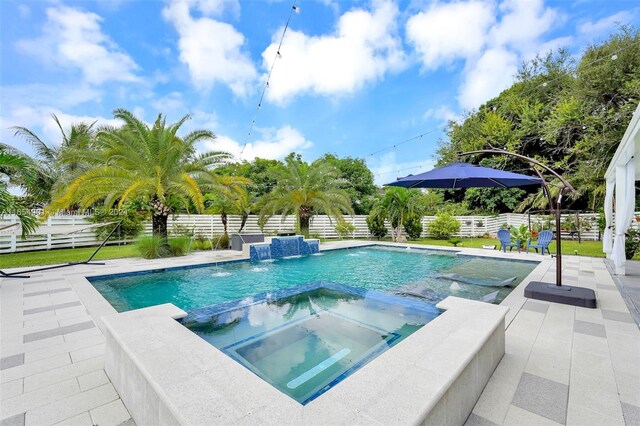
(353, 78)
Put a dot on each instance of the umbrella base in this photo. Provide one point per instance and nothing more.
(567, 295)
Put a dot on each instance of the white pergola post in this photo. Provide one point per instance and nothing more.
(607, 239)
(622, 175)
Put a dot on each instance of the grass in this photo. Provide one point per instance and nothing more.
(48, 257)
(13, 260)
(585, 248)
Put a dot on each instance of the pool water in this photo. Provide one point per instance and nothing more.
(377, 268)
(307, 339)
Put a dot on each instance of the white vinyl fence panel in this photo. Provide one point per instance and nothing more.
(321, 225)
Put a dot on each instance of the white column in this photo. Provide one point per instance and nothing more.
(625, 203)
(607, 239)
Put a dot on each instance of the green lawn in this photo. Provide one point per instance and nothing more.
(12, 260)
(46, 257)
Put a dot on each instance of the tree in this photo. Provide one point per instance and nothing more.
(375, 223)
(49, 163)
(568, 114)
(15, 169)
(304, 190)
(397, 206)
(236, 201)
(145, 162)
(259, 171)
(358, 181)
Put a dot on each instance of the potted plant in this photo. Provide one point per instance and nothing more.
(520, 235)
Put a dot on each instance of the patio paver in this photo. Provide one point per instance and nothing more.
(53, 368)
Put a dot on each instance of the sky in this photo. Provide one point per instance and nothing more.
(352, 78)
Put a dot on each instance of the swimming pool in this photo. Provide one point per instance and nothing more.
(307, 339)
(380, 268)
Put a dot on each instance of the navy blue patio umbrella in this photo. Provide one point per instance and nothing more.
(465, 175)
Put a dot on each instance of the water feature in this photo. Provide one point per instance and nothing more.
(260, 251)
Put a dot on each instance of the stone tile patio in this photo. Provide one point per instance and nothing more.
(563, 365)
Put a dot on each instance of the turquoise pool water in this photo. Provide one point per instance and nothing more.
(305, 340)
(374, 268)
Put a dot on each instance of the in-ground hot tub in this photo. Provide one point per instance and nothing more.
(307, 339)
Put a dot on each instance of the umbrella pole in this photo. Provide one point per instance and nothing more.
(570, 295)
(558, 242)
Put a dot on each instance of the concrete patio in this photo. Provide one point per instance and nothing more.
(563, 365)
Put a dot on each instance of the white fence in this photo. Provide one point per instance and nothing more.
(321, 225)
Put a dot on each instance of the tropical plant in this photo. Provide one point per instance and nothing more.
(179, 246)
(50, 157)
(375, 223)
(397, 206)
(152, 247)
(444, 226)
(142, 162)
(235, 201)
(15, 169)
(520, 234)
(455, 241)
(304, 190)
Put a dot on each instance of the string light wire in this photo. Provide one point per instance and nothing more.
(613, 57)
(278, 55)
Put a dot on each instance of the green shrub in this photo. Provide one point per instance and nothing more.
(151, 247)
(132, 223)
(413, 226)
(345, 229)
(220, 242)
(375, 223)
(444, 226)
(179, 246)
(631, 242)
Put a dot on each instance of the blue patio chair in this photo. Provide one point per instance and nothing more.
(544, 238)
(505, 241)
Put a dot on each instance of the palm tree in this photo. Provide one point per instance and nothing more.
(50, 159)
(304, 190)
(149, 163)
(397, 206)
(236, 201)
(18, 170)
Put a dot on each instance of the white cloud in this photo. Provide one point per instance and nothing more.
(74, 39)
(448, 31)
(273, 144)
(215, 7)
(487, 77)
(522, 23)
(443, 113)
(606, 24)
(491, 38)
(386, 168)
(363, 48)
(212, 50)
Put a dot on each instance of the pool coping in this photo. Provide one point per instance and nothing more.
(97, 307)
(153, 361)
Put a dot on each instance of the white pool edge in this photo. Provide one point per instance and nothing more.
(166, 374)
